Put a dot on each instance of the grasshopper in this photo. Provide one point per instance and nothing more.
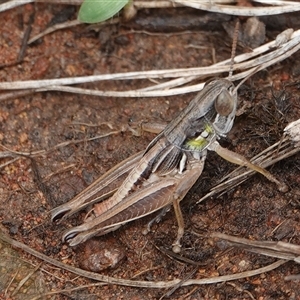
(162, 175)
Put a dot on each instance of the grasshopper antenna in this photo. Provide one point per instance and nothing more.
(234, 44)
(233, 52)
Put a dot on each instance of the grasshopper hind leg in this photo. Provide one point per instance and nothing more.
(75, 236)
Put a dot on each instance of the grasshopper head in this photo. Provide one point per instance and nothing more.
(224, 103)
(208, 116)
(225, 108)
(214, 115)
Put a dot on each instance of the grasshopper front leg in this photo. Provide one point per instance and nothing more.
(242, 161)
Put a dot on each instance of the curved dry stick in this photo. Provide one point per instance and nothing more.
(137, 283)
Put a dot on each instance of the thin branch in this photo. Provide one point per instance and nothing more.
(12, 153)
(53, 28)
(243, 62)
(274, 8)
(281, 8)
(13, 3)
(133, 283)
(279, 249)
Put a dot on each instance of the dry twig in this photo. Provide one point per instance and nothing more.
(136, 283)
(279, 249)
(260, 58)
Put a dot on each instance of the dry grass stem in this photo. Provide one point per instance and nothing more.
(279, 249)
(248, 64)
(219, 6)
(23, 281)
(136, 283)
(279, 7)
(19, 155)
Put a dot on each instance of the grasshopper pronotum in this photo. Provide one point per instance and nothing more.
(165, 172)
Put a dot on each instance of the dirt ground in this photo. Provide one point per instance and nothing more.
(30, 188)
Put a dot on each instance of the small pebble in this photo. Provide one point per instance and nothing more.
(97, 255)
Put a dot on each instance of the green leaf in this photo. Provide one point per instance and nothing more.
(94, 11)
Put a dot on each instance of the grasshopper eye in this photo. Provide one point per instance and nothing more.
(224, 104)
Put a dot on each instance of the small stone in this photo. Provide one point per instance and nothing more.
(251, 34)
(23, 137)
(254, 32)
(97, 255)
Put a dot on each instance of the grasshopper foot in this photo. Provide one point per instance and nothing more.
(157, 219)
(176, 247)
(282, 187)
(58, 213)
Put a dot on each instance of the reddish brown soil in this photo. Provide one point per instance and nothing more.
(254, 210)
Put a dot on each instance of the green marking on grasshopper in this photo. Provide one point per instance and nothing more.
(197, 144)
(201, 142)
